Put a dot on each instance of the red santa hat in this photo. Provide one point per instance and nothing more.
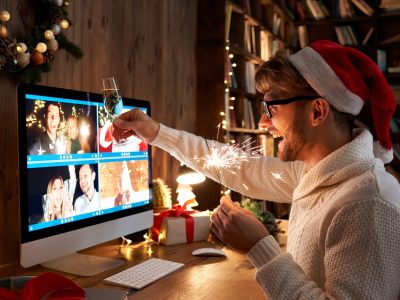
(347, 78)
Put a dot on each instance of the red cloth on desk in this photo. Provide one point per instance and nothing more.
(49, 286)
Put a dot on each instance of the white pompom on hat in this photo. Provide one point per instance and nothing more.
(347, 78)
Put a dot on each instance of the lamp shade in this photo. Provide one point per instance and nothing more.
(190, 177)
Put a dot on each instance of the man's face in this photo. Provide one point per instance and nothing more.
(52, 118)
(72, 127)
(86, 179)
(288, 124)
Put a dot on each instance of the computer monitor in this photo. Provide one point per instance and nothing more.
(79, 187)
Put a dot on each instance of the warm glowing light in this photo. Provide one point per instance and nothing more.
(225, 81)
(230, 73)
(149, 251)
(48, 35)
(234, 65)
(190, 178)
(227, 48)
(226, 90)
(64, 24)
(232, 98)
(245, 186)
(21, 47)
(231, 107)
(222, 113)
(84, 130)
(125, 242)
(41, 47)
(277, 176)
(231, 55)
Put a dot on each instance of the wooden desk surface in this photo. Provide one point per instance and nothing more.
(201, 278)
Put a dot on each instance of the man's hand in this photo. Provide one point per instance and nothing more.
(237, 226)
(135, 122)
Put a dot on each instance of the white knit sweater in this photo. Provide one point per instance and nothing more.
(344, 227)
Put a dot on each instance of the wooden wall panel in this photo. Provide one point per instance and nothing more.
(147, 45)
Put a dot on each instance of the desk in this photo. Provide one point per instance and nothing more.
(201, 278)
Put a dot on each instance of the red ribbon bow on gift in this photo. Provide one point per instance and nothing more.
(176, 211)
(49, 286)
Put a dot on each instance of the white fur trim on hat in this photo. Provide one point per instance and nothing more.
(325, 82)
(384, 154)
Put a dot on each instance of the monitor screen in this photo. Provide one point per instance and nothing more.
(78, 186)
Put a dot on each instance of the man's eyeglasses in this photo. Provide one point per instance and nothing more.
(268, 106)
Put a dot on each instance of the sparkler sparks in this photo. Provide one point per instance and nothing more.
(277, 176)
(229, 158)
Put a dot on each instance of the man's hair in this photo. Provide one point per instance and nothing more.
(278, 77)
(89, 165)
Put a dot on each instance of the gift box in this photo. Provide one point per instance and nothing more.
(177, 226)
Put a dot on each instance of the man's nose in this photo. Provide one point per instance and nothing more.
(264, 121)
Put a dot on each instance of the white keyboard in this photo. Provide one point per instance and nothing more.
(144, 273)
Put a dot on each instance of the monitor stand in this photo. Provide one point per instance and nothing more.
(83, 264)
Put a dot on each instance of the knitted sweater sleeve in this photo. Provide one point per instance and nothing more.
(361, 258)
(260, 177)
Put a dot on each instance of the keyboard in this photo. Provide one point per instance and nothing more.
(144, 273)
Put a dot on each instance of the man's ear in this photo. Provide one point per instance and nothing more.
(320, 111)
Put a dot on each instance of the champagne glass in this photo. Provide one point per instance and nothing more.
(112, 100)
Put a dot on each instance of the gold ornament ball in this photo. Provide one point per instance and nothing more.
(37, 58)
(52, 45)
(3, 32)
(4, 16)
(23, 59)
(21, 48)
(41, 47)
(48, 35)
(64, 24)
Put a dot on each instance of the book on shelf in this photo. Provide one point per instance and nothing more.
(303, 36)
(228, 17)
(267, 145)
(315, 10)
(266, 45)
(390, 5)
(300, 13)
(250, 73)
(363, 6)
(276, 23)
(381, 59)
(393, 70)
(248, 115)
(345, 9)
(368, 36)
(392, 39)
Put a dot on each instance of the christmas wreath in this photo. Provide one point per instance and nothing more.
(27, 57)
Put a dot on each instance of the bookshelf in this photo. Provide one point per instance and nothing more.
(371, 26)
(234, 38)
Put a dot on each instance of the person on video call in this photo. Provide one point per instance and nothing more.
(343, 236)
(75, 143)
(58, 200)
(48, 142)
(89, 201)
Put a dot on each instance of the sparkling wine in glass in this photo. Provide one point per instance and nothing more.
(112, 99)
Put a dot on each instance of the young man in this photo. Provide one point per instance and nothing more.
(48, 141)
(344, 237)
(89, 201)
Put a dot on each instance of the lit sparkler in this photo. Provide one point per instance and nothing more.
(229, 158)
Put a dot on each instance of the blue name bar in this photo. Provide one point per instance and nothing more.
(50, 160)
(43, 225)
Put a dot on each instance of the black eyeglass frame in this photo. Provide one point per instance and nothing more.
(267, 104)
